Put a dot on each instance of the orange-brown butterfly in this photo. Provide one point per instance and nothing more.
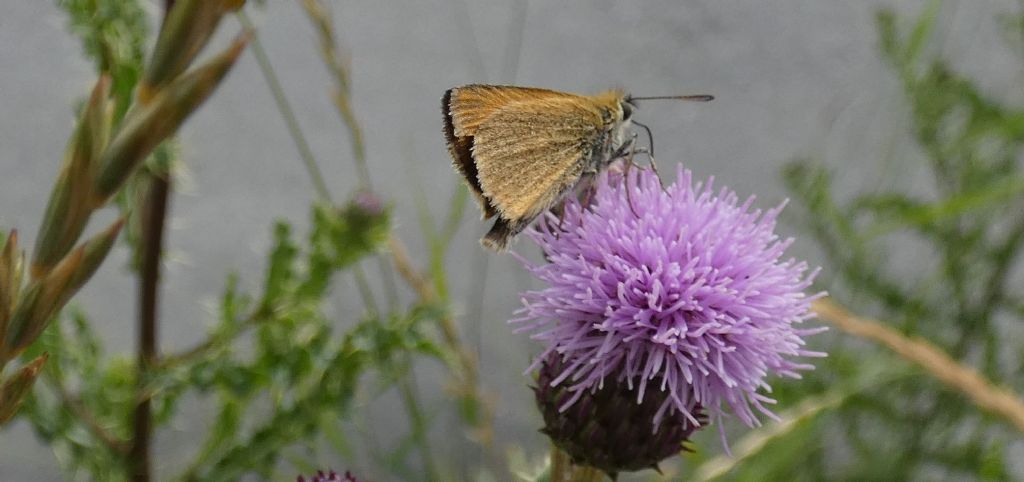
(521, 149)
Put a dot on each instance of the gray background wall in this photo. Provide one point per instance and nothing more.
(791, 77)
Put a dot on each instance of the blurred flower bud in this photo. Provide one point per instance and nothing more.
(607, 428)
(331, 476)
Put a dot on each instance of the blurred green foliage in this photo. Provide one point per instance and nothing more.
(275, 370)
(113, 34)
(953, 287)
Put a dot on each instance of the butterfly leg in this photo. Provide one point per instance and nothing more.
(624, 150)
(625, 176)
(649, 150)
(561, 220)
(654, 167)
(588, 196)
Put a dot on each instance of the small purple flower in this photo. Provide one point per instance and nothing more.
(331, 476)
(368, 202)
(679, 289)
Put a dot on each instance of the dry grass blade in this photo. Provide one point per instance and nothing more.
(338, 64)
(94, 251)
(757, 440)
(39, 303)
(148, 127)
(10, 282)
(13, 390)
(186, 29)
(469, 378)
(937, 363)
(69, 207)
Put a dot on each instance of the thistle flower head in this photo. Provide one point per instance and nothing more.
(679, 290)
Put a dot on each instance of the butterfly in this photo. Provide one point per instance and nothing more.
(522, 149)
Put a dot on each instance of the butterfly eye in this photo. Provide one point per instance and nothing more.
(627, 111)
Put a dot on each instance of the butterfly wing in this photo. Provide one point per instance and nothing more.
(529, 153)
(465, 109)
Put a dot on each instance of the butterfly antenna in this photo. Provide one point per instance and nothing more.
(693, 98)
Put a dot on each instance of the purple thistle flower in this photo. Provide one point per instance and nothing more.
(687, 294)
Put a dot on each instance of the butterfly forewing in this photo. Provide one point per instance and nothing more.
(529, 153)
(465, 109)
(461, 149)
(520, 149)
(471, 105)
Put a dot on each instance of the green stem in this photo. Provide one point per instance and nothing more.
(220, 339)
(86, 417)
(388, 278)
(407, 388)
(364, 289)
(306, 153)
(285, 108)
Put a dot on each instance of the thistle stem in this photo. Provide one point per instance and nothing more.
(582, 473)
(561, 468)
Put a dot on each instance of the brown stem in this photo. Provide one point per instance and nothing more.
(154, 213)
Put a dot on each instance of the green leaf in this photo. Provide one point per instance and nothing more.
(922, 31)
(113, 35)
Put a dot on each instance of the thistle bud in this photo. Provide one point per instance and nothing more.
(608, 428)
